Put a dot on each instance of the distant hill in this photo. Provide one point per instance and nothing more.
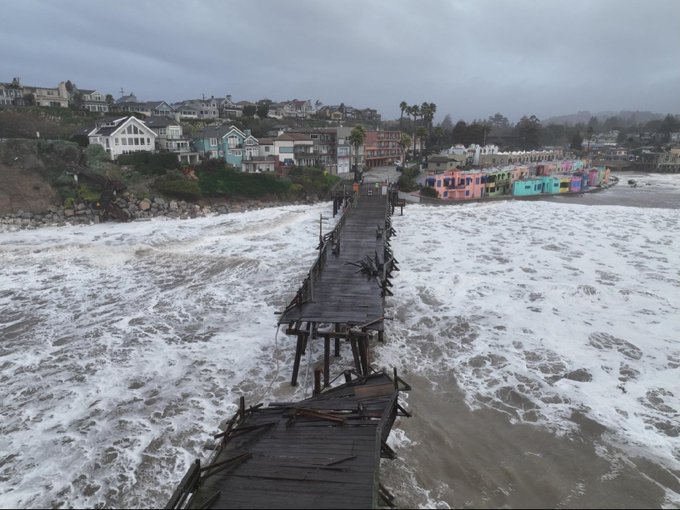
(629, 118)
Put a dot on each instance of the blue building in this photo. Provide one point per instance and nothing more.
(226, 142)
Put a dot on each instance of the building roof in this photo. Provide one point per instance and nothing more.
(160, 122)
(293, 137)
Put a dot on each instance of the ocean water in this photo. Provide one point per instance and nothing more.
(542, 341)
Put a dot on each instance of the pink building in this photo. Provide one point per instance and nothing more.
(546, 168)
(518, 173)
(457, 184)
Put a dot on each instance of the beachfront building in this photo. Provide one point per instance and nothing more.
(381, 148)
(575, 185)
(457, 184)
(565, 183)
(527, 187)
(551, 184)
(497, 182)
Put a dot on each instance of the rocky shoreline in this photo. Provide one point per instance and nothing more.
(81, 213)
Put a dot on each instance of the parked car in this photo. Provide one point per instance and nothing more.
(397, 162)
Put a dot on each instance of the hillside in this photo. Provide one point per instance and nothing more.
(32, 173)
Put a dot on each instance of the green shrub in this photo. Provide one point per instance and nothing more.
(178, 188)
(312, 181)
(230, 183)
(86, 194)
(150, 163)
(407, 179)
(428, 192)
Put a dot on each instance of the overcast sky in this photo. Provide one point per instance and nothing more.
(471, 58)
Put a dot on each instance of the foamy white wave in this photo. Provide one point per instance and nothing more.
(125, 345)
(548, 312)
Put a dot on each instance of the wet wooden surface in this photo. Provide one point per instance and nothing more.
(342, 292)
(322, 452)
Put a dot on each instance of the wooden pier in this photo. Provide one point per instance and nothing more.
(322, 452)
(343, 295)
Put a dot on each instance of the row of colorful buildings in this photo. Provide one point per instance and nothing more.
(567, 176)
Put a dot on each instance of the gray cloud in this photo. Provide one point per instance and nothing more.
(471, 58)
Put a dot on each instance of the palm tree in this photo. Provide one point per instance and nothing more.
(421, 133)
(414, 111)
(356, 140)
(404, 143)
(431, 110)
(402, 106)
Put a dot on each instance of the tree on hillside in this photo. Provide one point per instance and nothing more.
(589, 134)
(459, 131)
(447, 123)
(669, 124)
(29, 99)
(76, 100)
(109, 100)
(263, 108)
(498, 121)
(356, 140)
(528, 131)
(249, 110)
(576, 142)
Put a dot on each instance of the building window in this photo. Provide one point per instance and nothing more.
(116, 141)
(148, 141)
(213, 142)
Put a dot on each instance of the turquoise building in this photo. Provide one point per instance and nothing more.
(226, 142)
(527, 187)
(551, 184)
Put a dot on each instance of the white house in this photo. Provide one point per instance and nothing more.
(122, 136)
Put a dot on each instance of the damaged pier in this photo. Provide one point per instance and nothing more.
(322, 452)
(343, 296)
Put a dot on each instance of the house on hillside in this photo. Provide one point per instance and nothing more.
(42, 96)
(11, 93)
(147, 108)
(171, 138)
(295, 149)
(297, 108)
(229, 109)
(226, 142)
(206, 108)
(93, 101)
(122, 135)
